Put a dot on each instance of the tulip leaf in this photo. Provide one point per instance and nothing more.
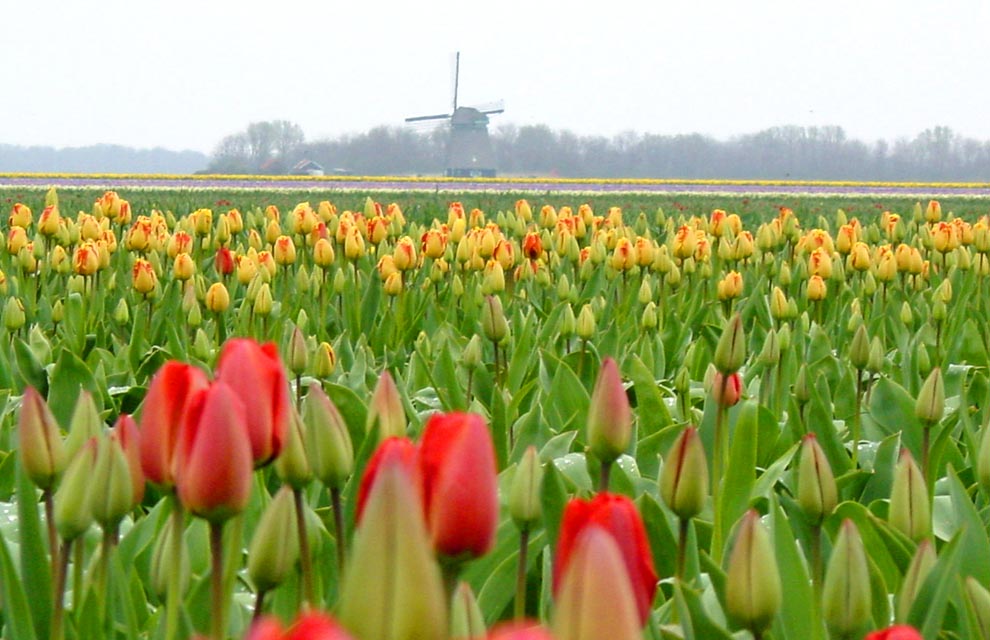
(973, 541)
(494, 576)
(554, 497)
(651, 410)
(28, 367)
(692, 610)
(739, 478)
(928, 611)
(36, 574)
(798, 618)
(69, 376)
(15, 614)
(663, 539)
(892, 410)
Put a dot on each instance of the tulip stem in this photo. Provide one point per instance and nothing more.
(217, 624)
(856, 417)
(682, 537)
(926, 436)
(338, 524)
(520, 609)
(173, 594)
(49, 501)
(604, 477)
(259, 604)
(61, 574)
(307, 569)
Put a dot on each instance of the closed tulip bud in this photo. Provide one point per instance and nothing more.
(817, 289)
(910, 511)
(595, 597)
(846, 596)
(877, 356)
(645, 292)
(385, 410)
(778, 304)
(930, 405)
(493, 322)
(292, 465)
(13, 314)
(684, 477)
(921, 565)
(817, 491)
(274, 548)
(979, 603)
(730, 354)
(859, 348)
(43, 456)
(73, 513)
(84, 424)
(939, 311)
(609, 415)
(217, 298)
(328, 442)
(649, 319)
(752, 581)
(726, 389)
(471, 356)
(111, 491)
(525, 506)
(460, 496)
(325, 360)
(907, 315)
(298, 353)
(393, 587)
(586, 323)
(770, 354)
(466, 620)
(184, 267)
(263, 303)
(212, 465)
(354, 244)
(284, 251)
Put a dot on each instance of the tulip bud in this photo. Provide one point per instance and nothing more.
(874, 363)
(859, 348)
(43, 456)
(111, 495)
(393, 588)
(684, 478)
(471, 356)
(770, 354)
(586, 323)
(609, 415)
(466, 621)
(752, 581)
(939, 311)
(73, 512)
(328, 442)
(217, 298)
(274, 548)
(386, 410)
(846, 596)
(263, 303)
(298, 354)
(85, 423)
(816, 488)
(931, 399)
(13, 314)
(921, 565)
(979, 603)
(292, 465)
(907, 315)
(493, 321)
(910, 511)
(726, 390)
(325, 360)
(730, 354)
(595, 598)
(525, 506)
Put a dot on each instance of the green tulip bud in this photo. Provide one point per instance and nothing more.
(682, 380)
(931, 399)
(292, 465)
(730, 354)
(43, 456)
(263, 302)
(846, 596)
(471, 356)
(85, 423)
(817, 491)
(874, 363)
(525, 506)
(586, 323)
(298, 356)
(568, 323)
(73, 511)
(859, 349)
(274, 548)
(609, 415)
(784, 337)
(944, 292)
(339, 282)
(111, 490)
(13, 314)
(907, 315)
(563, 287)
(328, 442)
(645, 291)
(802, 388)
(752, 581)
(493, 322)
(921, 565)
(770, 354)
(122, 313)
(910, 512)
(684, 478)
(649, 321)
(939, 311)
(979, 602)
(202, 347)
(325, 360)
(466, 620)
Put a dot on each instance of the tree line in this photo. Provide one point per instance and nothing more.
(794, 152)
(99, 158)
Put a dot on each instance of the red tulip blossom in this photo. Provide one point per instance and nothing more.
(224, 262)
(896, 632)
(402, 450)
(311, 625)
(256, 375)
(619, 517)
(161, 417)
(460, 494)
(213, 456)
(519, 631)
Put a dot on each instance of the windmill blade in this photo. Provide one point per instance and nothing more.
(498, 106)
(492, 111)
(439, 116)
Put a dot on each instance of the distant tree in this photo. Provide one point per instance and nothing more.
(264, 147)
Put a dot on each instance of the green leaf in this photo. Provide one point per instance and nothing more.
(36, 574)
(737, 486)
(798, 618)
(651, 410)
(972, 532)
(892, 409)
(16, 614)
(928, 611)
(69, 376)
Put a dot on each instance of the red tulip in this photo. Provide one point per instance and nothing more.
(460, 496)
(213, 457)
(257, 377)
(314, 625)
(402, 450)
(224, 261)
(617, 515)
(519, 631)
(126, 434)
(896, 632)
(161, 417)
(265, 628)
(727, 391)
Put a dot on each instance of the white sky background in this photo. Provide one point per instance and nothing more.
(183, 74)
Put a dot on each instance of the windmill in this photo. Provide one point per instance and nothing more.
(469, 147)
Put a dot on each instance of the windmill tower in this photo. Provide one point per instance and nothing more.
(469, 147)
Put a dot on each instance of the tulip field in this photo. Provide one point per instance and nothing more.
(276, 414)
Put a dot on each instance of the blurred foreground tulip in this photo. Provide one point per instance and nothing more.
(402, 451)
(617, 516)
(256, 376)
(896, 632)
(460, 496)
(520, 631)
(161, 417)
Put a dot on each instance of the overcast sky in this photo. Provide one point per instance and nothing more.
(182, 74)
